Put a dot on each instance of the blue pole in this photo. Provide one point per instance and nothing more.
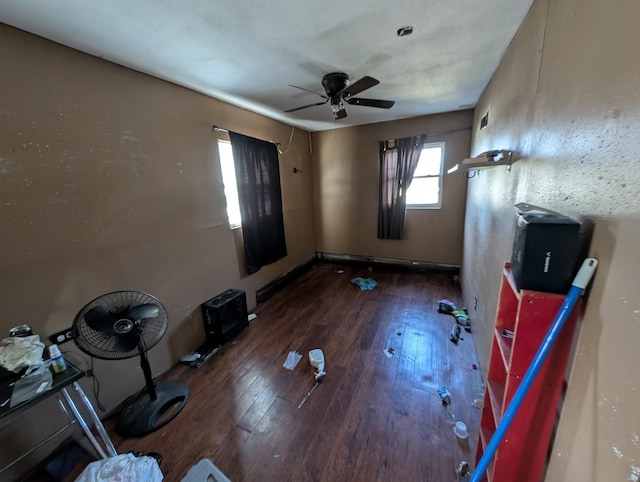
(580, 282)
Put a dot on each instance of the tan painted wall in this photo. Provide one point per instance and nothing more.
(345, 176)
(566, 96)
(109, 180)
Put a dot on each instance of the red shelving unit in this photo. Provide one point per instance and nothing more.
(522, 455)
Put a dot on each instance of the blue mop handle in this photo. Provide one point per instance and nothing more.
(580, 282)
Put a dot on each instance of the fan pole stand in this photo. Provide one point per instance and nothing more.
(155, 407)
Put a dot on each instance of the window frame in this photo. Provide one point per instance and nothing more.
(438, 205)
(225, 187)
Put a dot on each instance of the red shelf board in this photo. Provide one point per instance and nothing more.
(511, 280)
(496, 395)
(505, 345)
(485, 437)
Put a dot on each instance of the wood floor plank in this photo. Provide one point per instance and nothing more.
(374, 417)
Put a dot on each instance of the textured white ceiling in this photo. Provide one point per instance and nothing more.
(246, 52)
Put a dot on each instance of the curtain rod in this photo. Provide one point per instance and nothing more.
(220, 129)
(435, 133)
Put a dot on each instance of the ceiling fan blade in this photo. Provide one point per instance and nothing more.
(308, 90)
(305, 106)
(382, 104)
(141, 312)
(358, 86)
(341, 114)
(99, 319)
(127, 341)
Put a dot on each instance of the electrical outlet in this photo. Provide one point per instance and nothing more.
(61, 337)
(475, 303)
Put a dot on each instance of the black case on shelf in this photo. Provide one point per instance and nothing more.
(545, 249)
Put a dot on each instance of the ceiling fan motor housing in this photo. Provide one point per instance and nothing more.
(334, 83)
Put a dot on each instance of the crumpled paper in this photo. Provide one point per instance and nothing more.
(20, 352)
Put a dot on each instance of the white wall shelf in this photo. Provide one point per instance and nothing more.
(486, 159)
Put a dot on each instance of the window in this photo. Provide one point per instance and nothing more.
(229, 181)
(425, 191)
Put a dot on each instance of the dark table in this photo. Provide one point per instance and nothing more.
(68, 401)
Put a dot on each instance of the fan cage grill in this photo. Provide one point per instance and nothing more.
(108, 347)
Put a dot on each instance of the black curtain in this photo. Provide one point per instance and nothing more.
(398, 161)
(258, 180)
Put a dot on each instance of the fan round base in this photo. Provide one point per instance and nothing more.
(144, 415)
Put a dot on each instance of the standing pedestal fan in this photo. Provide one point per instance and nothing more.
(124, 324)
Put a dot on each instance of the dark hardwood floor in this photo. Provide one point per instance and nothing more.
(373, 418)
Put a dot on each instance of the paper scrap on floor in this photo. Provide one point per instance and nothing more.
(364, 284)
(292, 360)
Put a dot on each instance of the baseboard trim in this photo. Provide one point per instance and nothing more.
(451, 270)
(272, 287)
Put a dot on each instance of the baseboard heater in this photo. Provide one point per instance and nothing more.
(452, 270)
(271, 288)
(268, 290)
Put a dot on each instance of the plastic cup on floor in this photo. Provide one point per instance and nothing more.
(460, 430)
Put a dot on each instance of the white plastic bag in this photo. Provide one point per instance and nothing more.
(18, 352)
(122, 468)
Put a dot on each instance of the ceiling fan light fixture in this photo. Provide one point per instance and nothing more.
(338, 110)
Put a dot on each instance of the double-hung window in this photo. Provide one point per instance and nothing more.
(425, 191)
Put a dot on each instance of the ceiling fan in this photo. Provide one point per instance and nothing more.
(338, 88)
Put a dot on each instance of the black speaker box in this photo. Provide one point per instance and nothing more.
(225, 316)
(545, 250)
